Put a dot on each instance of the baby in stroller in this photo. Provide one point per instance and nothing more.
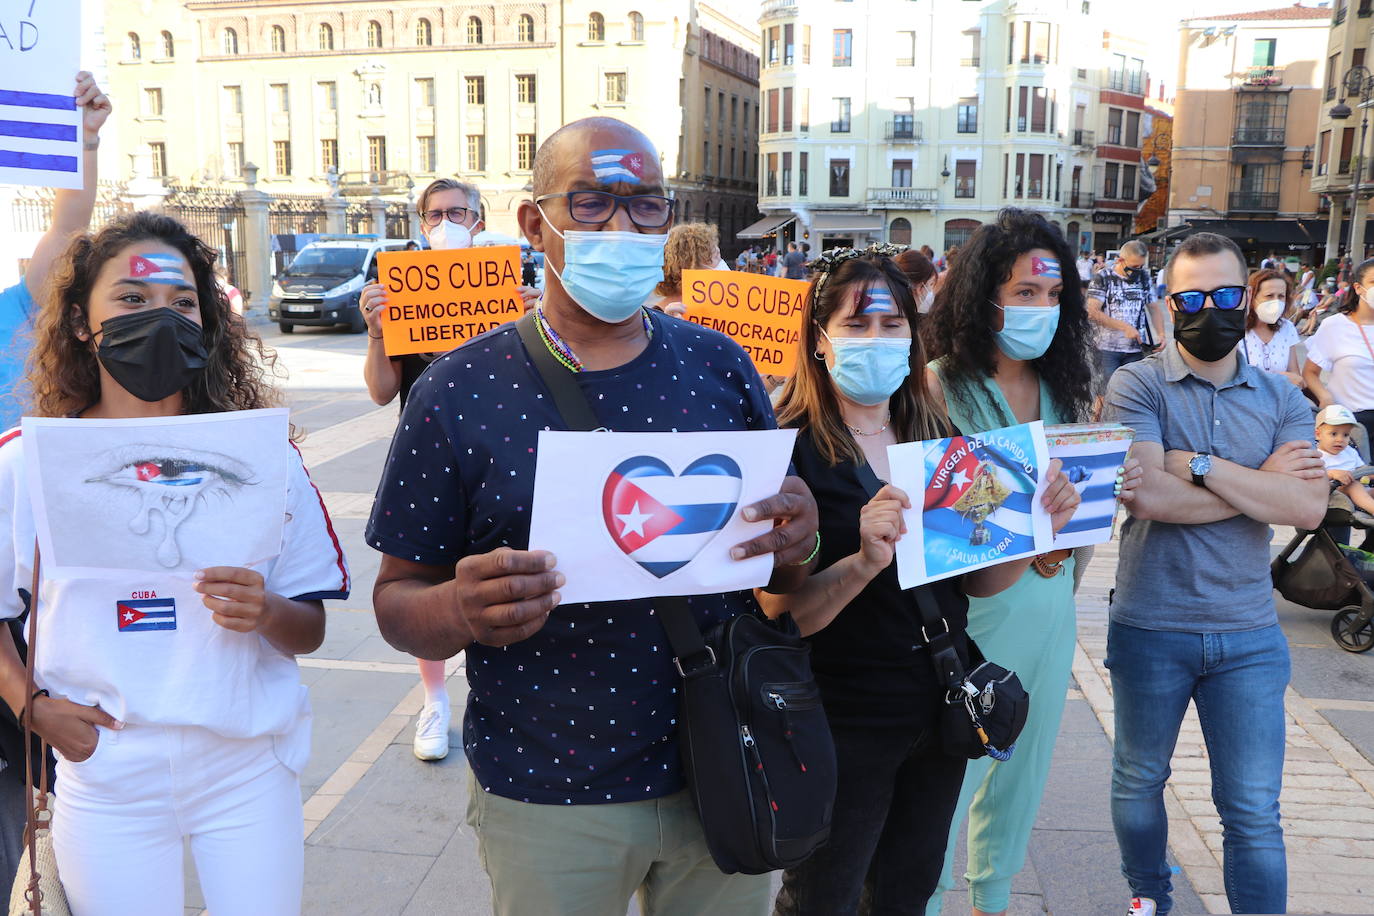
(1343, 463)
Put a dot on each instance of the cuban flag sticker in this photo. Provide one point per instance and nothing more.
(137, 615)
(662, 520)
(156, 268)
(618, 165)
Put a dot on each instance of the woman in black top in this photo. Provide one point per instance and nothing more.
(859, 387)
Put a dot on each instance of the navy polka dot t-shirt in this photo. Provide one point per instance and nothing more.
(585, 711)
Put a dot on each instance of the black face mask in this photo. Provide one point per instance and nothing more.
(1133, 273)
(153, 354)
(1210, 333)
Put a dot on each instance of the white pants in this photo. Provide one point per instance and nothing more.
(122, 814)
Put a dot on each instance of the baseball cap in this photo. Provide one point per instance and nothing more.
(1336, 415)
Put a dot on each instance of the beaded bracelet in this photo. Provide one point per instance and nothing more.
(815, 552)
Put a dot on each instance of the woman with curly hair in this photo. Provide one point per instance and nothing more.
(197, 731)
(858, 389)
(1008, 337)
(690, 246)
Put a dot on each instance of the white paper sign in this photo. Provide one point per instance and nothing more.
(168, 495)
(644, 515)
(975, 502)
(40, 125)
(1091, 453)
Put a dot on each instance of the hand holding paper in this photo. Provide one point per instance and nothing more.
(505, 596)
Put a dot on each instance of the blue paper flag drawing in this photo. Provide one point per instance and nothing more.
(975, 501)
(40, 126)
(1091, 454)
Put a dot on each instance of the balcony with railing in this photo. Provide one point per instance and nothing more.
(1268, 135)
(778, 9)
(1121, 81)
(1253, 201)
(1084, 138)
(904, 129)
(1340, 16)
(1261, 76)
(903, 198)
(1080, 200)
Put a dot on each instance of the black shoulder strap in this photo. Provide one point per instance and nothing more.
(934, 627)
(692, 654)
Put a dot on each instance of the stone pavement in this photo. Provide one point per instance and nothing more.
(386, 833)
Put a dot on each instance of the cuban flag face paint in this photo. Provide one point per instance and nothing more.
(877, 300)
(158, 268)
(618, 165)
(1046, 267)
(661, 520)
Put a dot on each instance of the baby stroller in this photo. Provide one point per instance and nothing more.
(1314, 572)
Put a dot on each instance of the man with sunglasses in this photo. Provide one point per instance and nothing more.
(1120, 303)
(577, 796)
(1227, 452)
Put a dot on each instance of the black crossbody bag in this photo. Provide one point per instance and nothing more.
(984, 709)
(755, 743)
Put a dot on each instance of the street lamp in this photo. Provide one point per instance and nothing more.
(1358, 81)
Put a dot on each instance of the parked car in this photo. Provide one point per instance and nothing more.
(321, 286)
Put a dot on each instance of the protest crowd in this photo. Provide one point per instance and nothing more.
(637, 744)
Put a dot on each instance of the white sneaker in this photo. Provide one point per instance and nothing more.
(431, 733)
(1141, 906)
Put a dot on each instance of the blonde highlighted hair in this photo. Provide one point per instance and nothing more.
(688, 247)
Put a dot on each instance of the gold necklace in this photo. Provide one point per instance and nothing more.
(881, 429)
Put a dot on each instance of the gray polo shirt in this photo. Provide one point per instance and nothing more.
(1201, 578)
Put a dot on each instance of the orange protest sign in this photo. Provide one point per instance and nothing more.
(436, 300)
(763, 314)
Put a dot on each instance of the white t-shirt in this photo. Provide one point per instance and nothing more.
(235, 684)
(1347, 459)
(1271, 356)
(1339, 347)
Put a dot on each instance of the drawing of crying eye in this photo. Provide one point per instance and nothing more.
(173, 472)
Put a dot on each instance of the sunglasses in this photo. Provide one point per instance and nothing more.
(1223, 297)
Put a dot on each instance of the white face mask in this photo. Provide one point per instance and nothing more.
(927, 300)
(1270, 310)
(449, 235)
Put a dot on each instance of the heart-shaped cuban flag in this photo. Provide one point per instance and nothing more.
(662, 520)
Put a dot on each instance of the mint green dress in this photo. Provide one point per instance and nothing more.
(1029, 628)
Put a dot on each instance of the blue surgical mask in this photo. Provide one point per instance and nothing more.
(609, 273)
(868, 370)
(1027, 330)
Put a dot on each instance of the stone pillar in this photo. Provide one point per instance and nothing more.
(335, 215)
(377, 207)
(1359, 211)
(414, 229)
(1333, 227)
(257, 240)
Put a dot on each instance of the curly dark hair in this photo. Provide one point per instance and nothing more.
(960, 324)
(63, 370)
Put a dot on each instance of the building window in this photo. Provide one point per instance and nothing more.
(476, 89)
(901, 173)
(233, 160)
(159, 151)
(965, 178)
(169, 46)
(596, 27)
(958, 231)
(1347, 150)
(230, 41)
(524, 152)
(281, 97)
(906, 49)
(968, 116)
(1128, 173)
(899, 232)
(1323, 152)
(1035, 183)
(973, 42)
(843, 54)
(617, 89)
(839, 177)
(803, 173)
(281, 157)
(1039, 109)
(1133, 129)
(787, 108)
(278, 40)
(133, 48)
(233, 100)
(152, 103)
(424, 33)
(476, 152)
(329, 155)
(840, 123)
(376, 154)
(1264, 52)
(329, 96)
(525, 88)
(636, 27)
(786, 174)
(524, 28)
(1111, 176)
(424, 92)
(326, 37)
(424, 154)
(771, 125)
(788, 44)
(474, 30)
(771, 170)
(1114, 118)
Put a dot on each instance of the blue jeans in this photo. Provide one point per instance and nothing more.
(1237, 681)
(1108, 361)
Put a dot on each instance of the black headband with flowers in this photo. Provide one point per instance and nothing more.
(828, 263)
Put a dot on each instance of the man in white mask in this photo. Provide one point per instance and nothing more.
(578, 798)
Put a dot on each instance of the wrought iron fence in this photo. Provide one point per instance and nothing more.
(216, 216)
(291, 214)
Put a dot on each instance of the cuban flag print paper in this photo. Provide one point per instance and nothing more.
(40, 125)
(1091, 453)
(975, 502)
(643, 515)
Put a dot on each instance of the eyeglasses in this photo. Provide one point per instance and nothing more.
(1223, 297)
(596, 208)
(452, 214)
